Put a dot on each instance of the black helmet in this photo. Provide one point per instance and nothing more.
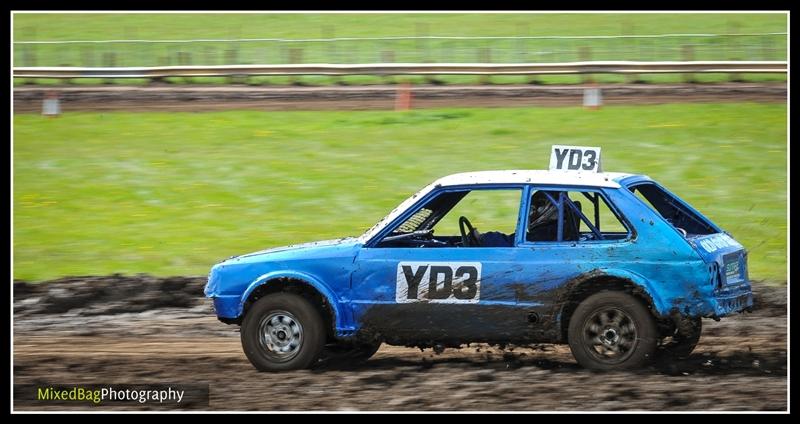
(543, 211)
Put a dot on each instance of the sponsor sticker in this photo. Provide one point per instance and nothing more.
(438, 282)
(717, 242)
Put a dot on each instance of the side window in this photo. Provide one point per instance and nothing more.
(493, 213)
(584, 215)
(596, 209)
(487, 211)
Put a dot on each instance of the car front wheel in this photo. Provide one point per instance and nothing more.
(612, 331)
(282, 332)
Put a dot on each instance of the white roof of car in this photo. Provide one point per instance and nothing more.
(593, 179)
(590, 179)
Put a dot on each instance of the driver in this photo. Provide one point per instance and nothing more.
(542, 223)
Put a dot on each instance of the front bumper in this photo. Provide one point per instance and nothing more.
(227, 306)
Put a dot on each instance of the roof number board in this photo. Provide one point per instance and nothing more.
(575, 159)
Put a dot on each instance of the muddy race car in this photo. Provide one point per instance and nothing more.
(613, 264)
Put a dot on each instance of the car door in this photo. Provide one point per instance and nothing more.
(442, 292)
(588, 234)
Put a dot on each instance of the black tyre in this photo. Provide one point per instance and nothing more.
(282, 332)
(612, 331)
(682, 342)
(338, 355)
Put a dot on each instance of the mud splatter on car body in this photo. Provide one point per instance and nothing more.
(409, 288)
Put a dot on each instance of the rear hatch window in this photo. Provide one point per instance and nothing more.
(727, 258)
(676, 212)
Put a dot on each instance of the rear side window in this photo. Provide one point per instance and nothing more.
(584, 216)
(672, 210)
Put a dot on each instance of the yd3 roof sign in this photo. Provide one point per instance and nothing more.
(575, 158)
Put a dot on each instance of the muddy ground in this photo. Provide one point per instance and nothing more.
(141, 329)
(199, 98)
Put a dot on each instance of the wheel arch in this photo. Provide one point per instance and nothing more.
(305, 285)
(596, 281)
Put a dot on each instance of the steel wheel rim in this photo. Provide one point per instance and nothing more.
(280, 336)
(610, 335)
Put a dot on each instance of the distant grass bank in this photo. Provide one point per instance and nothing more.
(347, 26)
(173, 193)
(167, 26)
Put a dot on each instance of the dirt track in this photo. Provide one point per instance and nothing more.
(118, 330)
(380, 97)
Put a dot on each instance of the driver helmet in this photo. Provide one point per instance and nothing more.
(543, 211)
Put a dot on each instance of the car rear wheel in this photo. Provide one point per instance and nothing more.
(611, 331)
(282, 332)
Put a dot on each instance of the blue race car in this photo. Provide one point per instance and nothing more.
(613, 264)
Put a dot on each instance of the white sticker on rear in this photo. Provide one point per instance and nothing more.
(575, 158)
(438, 282)
(717, 242)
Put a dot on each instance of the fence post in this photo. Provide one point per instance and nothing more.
(29, 52)
(160, 61)
(733, 44)
(585, 55)
(423, 47)
(766, 47)
(185, 59)
(688, 56)
(422, 43)
(523, 29)
(109, 61)
(629, 28)
(295, 58)
(232, 58)
(208, 56)
(484, 56)
(387, 56)
(87, 56)
(329, 32)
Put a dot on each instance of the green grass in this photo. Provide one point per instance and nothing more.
(173, 193)
(160, 26)
(82, 26)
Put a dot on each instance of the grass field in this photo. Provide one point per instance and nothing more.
(173, 193)
(82, 26)
(102, 26)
